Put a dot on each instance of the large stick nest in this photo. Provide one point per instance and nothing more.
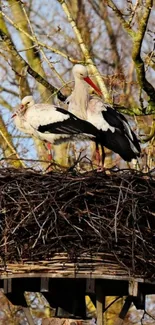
(92, 213)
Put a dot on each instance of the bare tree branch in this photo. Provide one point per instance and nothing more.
(56, 51)
(8, 148)
(25, 65)
(137, 38)
(119, 14)
(136, 55)
(101, 11)
(85, 51)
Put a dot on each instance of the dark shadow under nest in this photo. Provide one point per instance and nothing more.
(79, 215)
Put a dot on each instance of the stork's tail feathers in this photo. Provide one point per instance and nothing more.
(126, 147)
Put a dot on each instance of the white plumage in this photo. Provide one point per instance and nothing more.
(78, 100)
(54, 124)
(51, 123)
(116, 132)
(94, 114)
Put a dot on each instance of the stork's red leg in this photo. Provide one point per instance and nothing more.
(49, 147)
(103, 156)
(100, 168)
(98, 156)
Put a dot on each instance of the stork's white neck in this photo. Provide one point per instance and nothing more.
(80, 95)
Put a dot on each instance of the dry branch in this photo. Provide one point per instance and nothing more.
(53, 50)
(101, 10)
(85, 51)
(32, 72)
(32, 50)
(137, 38)
(43, 216)
(7, 146)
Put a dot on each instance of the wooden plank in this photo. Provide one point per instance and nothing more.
(44, 284)
(100, 303)
(133, 288)
(7, 286)
(67, 274)
(90, 285)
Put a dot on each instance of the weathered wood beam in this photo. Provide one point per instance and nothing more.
(100, 303)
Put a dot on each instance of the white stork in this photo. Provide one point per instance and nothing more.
(78, 100)
(21, 124)
(116, 131)
(52, 123)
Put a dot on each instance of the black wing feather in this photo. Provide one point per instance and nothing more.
(119, 144)
(72, 125)
(116, 119)
(113, 118)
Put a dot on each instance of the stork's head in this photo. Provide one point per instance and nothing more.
(26, 102)
(80, 72)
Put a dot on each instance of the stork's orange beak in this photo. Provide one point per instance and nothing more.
(91, 83)
(15, 114)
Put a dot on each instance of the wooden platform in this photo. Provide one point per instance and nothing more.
(77, 225)
(102, 266)
(37, 276)
(68, 235)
